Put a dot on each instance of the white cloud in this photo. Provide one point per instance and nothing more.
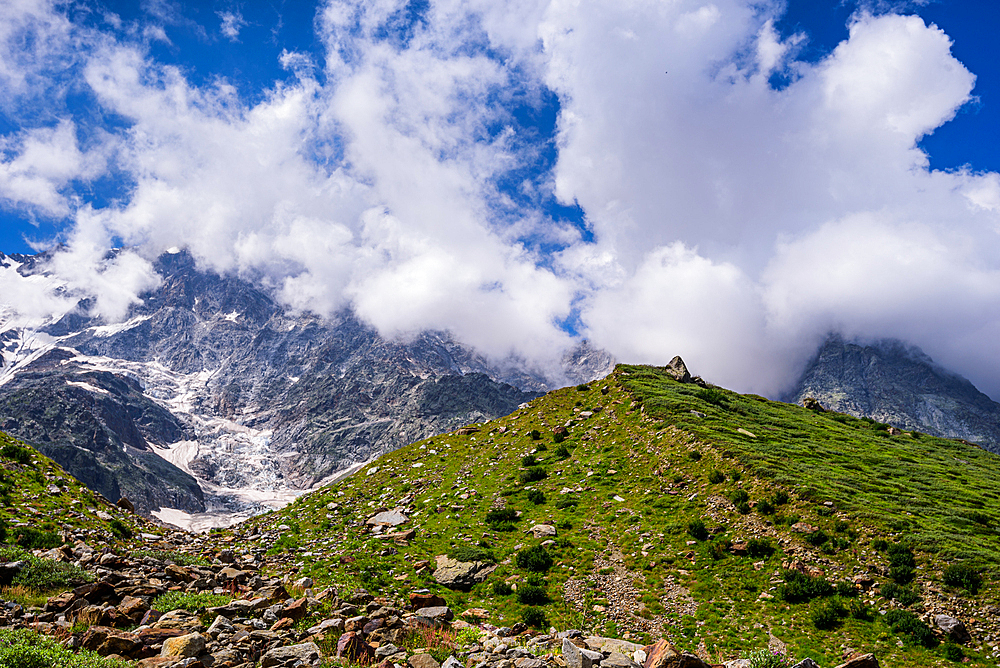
(732, 223)
(232, 23)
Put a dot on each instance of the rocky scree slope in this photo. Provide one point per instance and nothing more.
(641, 507)
(898, 384)
(230, 389)
(168, 599)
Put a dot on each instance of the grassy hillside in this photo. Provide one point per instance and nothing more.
(677, 510)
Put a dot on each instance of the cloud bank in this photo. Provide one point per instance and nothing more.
(406, 175)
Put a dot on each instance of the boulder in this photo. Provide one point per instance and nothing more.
(461, 575)
(305, 654)
(677, 370)
(806, 662)
(105, 641)
(863, 661)
(296, 610)
(660, 654)
(577, 657)
(439, 613)
(419, 601)
(352, 647)
(542, 531)
(125, 504)
(953, 628)
(422, 661)
(618, 660)
(390, 517)
(191, 644)
(221, 625)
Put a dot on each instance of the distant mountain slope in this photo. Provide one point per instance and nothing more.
(901, 386)
(210, 379)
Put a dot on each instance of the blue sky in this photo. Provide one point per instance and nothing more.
(729, 180)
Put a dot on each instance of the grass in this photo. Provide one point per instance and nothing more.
(43, 575)
(22, 648)
(624, 486)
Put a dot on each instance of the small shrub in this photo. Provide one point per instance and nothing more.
(904, 595)
(470, 635)
(535, 579)
(765, 658)
(536, 496)
(905, 623)
(568, 502)
(120, 529)
(533, 474)
(468, 553)
(534, 617)
(562, 452)
(498, 517)
(780, 498)
(860, 611)
(964, 576)
(535, 434)
(541, 447)
(535, 558)
(846, 589)
(952, 652)
(719, 549)
(736, 476)
(582, 387)
(716, 476)
(532, 595)
(764, 507)
(558, 437)
(22, 648)
(694, 455)
(696, 529)
(528, 460)
(16, 453)
(3, 530)
(816, 538)
(501, 588)
(799, 587)
(34, 539)
(739, 496)
(192, 602)
(759, 547)
(827, 614)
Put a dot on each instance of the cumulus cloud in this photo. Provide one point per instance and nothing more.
(232, 23)
(726, 220)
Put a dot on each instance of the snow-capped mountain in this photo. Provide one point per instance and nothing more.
(210, 398)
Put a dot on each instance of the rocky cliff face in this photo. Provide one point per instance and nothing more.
(211, 380)
(901, 386)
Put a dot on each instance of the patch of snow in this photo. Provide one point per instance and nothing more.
(232, 317)
(87, 386)
(104, 331)
(173, 250)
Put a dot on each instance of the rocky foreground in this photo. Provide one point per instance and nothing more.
(268, 621)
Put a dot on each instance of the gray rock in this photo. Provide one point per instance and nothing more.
(529, 662)
(221, 625)
(576, 657)
(953, 628)
(386, 650)
(292, 655)
(439, 613)
(806, 663)
(618, 660)
(452, 662)
(461, 574)
(678, 370)
(542, 531)
(390, 517)
(422, 661)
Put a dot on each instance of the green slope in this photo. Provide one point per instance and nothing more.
(646, 462)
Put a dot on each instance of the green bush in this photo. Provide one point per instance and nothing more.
(952, 652)
(192, 602)
(816, 538)
(535, 558)
(501, 517)
(34, 539)
(719, 548)
(904, 595)
(567, 502)
(764, 507)
(799, 587)
(22, 648)
(558, 437)
(716, 476)
(536, 496)
(765, 658)
(759, 547)
(44, 575)
(532, 595)
(905, 623)
(534, 617)
(501, 588)
(120, 529)
(860, 611)
(533, 474)
(16, 453)
(846, 589)
(468, 553)
(780, 498)
(694, 455)
(828, 614)
(541, 447)
(3, 530)
(902, 563)
(535, 434)
(528, 460)
(964, 576)
(562, 452)
(696, 529)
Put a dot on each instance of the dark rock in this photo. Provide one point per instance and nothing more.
(418, 601)
(863, 661)
(353, 648)
(105, 641)
(125, 504)
(305, 654)
(953, 628)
